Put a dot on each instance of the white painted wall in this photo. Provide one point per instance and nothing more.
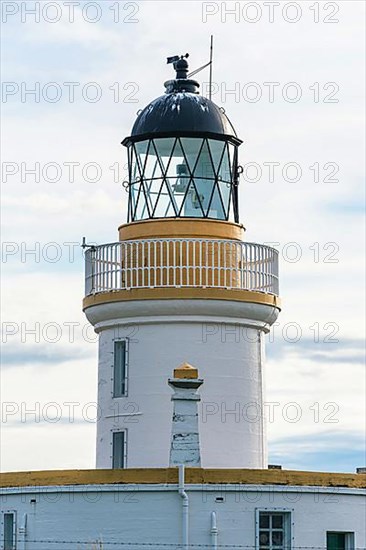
(151, 514)
(223, 340)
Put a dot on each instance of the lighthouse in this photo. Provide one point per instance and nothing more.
(181, 286)
(181, 304)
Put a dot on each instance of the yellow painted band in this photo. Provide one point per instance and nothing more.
(177, 228)
(166, 293)
(170, 476)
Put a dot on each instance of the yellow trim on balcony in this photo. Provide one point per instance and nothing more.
(169, 293)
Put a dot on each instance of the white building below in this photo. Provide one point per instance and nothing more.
(137, 509)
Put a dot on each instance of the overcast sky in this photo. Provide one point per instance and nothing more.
(295, 72)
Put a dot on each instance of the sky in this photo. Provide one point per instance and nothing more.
(290, 76)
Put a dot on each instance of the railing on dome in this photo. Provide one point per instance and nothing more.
(177, 263)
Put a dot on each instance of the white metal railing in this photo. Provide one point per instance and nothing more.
(176, 263)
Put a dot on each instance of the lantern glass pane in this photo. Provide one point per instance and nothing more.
(186, 177)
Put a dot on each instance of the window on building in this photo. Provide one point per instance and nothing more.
(274, 530)
(120, 368)
(9, 531)
(119, 450)
(340, 541)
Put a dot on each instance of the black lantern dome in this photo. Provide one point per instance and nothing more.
(183, 113)
(182, 155)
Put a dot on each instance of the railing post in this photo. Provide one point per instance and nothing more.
(88, 273)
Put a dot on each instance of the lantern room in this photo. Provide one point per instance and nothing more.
(182, 156)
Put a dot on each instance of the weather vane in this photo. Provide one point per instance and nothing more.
(175, 58)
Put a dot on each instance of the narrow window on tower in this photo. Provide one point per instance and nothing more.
(120, 368)
(119, 449)
(9, 530)
(273, 530)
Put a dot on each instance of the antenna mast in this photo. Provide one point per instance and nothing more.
(211, 59)
(209, 64)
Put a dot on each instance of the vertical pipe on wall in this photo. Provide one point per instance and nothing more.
(185, 508)
(23, 533)
(214, 531)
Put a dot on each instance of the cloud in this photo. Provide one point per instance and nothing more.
(30, 447)
(330, 451)
(43, 422)
(42, 355)
(335, 351)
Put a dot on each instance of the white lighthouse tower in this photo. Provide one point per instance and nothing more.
(181, 303)
(181, 286)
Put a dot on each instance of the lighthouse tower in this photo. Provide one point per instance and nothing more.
(181, 286)
(181, 304)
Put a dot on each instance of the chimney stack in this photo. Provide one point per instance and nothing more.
(185, 445)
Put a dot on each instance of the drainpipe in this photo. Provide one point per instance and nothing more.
(22, 533)
(185, 508)
(214, 531)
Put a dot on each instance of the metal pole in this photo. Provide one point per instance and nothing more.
(211, 58)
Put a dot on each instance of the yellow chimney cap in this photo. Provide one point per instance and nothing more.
(185, 370)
